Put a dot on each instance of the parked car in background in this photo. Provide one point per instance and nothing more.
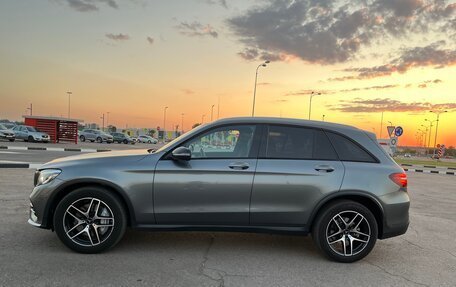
(9, 126)
(6, 133)
(30, 134)
(147, 139)
(122, 138)
(248, 174)
(95, 135)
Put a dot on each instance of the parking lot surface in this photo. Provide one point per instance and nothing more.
(424, 256)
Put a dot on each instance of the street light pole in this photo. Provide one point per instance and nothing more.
(182, 123)
(107, 119)
(310, 103)
(69, 102)
(202, 119)
(164, 124)
(437, 127)
(103, 118)
(254, 89)
(212, 112)
(381, 125)
(31, 109)
(323, 118)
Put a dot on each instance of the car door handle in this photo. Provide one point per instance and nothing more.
(239, 165)
(324, 168)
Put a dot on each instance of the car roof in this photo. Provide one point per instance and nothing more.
(284, 121)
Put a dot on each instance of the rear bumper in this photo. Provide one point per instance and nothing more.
(395, 214)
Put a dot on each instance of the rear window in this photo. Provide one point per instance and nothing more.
(347, 150)
(285, 142)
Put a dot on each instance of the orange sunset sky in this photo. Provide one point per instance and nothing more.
(132, 58)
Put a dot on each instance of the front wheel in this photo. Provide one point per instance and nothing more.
(82, 138)
(11, 140)
(30, 139)
(346, 231)
(90, 220)
(99, 140)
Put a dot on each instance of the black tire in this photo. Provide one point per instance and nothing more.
(82, 138)
(125, 141)
(30, 139)
(99, 140)
(11, 140)
(91, 141)
(115, 207)
(149, 142)
(324, 223)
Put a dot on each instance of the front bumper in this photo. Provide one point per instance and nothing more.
(7, 137)
(42, 139)
(40, 198)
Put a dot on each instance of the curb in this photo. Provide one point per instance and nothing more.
(20, 165)
(430, 171)
(428, 166)
(53, 149)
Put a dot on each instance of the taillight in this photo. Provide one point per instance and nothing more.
(399, 178)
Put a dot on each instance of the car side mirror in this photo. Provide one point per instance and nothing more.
(182, 153)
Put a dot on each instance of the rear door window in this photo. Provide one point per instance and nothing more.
(287, 142)
(348, 150)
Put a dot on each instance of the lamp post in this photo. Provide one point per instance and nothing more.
(431, 124)
(256, 78)
(425, 134)
(103, 118)
(212, 112)
(323, 118)
(438, 113)
(381, 125)
(310, 103)
(69, 102)
(202, 119)
(164, 123)
(31, 109)
(182, 123)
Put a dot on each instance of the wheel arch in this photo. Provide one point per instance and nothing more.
(69, 186)
(361, 197)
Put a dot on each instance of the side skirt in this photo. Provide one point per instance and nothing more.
(294, 230)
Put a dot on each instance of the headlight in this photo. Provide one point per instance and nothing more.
(45, 176)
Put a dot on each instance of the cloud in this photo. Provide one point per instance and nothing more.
(218, 2)
(188, 91)
(426, 83)
(150, 40)
(369, 88)
(196, 29)
(90, 5)
(328, 32)
(359, 105)
(117, 37)
(435, 55)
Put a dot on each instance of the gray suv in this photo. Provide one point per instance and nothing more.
(95, 135)
(241, 174)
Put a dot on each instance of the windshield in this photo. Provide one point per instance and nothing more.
(2, 127)
(31, 129)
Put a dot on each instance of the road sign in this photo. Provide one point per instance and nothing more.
(393, 141)
(398, 131)
(390, 130)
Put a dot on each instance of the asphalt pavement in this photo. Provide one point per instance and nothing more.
(424, 256)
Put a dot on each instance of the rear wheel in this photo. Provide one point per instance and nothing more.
(30, 139)
(11, 140)
(125, 141)
(90, 220)
(345, 231)
(82, 138)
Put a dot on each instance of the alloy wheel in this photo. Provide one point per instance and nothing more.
(348, 233)
(88, 221)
